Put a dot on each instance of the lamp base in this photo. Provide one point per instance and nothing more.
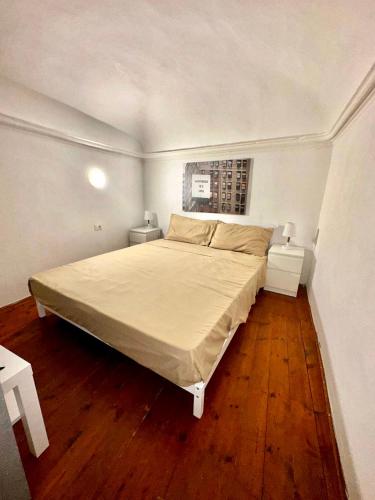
(287, 246)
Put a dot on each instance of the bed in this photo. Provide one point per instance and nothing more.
(171, 306)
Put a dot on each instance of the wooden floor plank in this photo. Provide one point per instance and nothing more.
(117, 430)
(306, 459)
(278, 480)
(237, 410)
(325, 433)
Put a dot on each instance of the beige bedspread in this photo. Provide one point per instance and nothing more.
(168, 305)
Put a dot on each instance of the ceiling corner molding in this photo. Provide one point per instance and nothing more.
(28, 126)
(241, 147)
(358, 101)
(361, 97)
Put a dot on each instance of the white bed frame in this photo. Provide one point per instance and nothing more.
(197, 389)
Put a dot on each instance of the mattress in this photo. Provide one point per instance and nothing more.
(166, 304)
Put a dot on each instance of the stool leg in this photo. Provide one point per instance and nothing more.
(32, 418)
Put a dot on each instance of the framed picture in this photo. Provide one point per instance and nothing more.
(206, 185)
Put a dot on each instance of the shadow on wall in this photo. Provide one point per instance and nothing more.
(155, 222)
(334, 401)
(306, 268)
(277, 236)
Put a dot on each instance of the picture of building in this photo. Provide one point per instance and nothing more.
(216, 186)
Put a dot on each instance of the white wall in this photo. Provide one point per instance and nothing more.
(287, 184)
(47, 206)
(342, 296)
(21, 102)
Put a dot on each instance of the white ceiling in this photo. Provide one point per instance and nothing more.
(187, 73)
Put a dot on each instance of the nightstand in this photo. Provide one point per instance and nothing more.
(143, 234)
(284, 269)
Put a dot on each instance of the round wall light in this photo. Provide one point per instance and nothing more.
(97, 177)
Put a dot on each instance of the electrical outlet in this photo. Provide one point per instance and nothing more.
(98, 227)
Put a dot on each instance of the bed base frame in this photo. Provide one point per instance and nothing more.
(197, 389)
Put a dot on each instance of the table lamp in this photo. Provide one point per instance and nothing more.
(289, 232)
(148, 217)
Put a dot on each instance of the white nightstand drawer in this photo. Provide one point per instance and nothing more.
(153, 236)
(143, 234)
(285, 263)
(137, 237)
(282, 280)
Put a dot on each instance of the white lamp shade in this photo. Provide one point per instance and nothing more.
(289, 230)
(148, 215)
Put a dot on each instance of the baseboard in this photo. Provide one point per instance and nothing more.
(346, 464)
(10, 305)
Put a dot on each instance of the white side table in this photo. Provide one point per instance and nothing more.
(284, 267)
(17, 384)
(143, 234)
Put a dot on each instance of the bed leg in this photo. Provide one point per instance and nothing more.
(41, 309)
(198, 399)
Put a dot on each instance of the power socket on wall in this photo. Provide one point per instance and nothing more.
(98, 227)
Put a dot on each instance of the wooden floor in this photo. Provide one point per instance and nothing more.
(118, 430)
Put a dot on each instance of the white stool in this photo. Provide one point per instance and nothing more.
(17, 383)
